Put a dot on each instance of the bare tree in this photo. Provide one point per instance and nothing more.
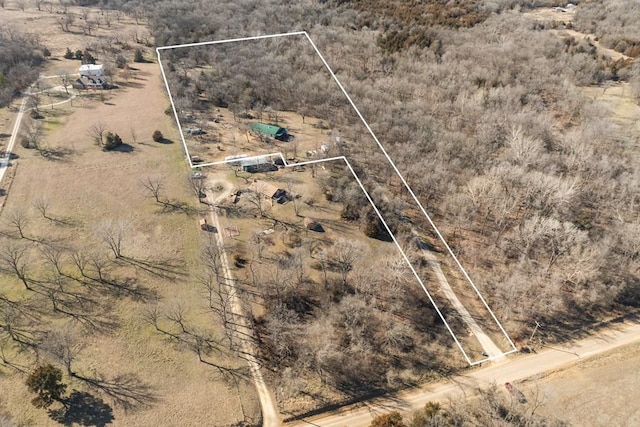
(211, 256)
(21, 4)
(198, 185)
(63, 345)
(113, 233)
(66, 80)
(19, 219)
(54, 254)
(15, 261)
(32, 134)
(154, 185)
(81, 261)
(97, 132)
(255, 197)
(66, 20)
(42, 204)
(344, 253)
(33, 101)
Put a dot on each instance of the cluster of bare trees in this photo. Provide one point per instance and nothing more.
(20, 56)
(612, 23)
(59, 280)
(532, 186)
(489, 407)
(330, 315)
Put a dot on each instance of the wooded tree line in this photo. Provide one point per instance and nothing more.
(20, 57)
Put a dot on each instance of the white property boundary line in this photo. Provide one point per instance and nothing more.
(393, 165)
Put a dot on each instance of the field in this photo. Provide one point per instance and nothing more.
(131, 373)
(591, 392)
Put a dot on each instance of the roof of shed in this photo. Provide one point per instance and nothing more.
(268, 129)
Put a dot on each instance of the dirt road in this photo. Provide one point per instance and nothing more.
(270, 417)
(4, 160)
(514, 368)
(490, 348)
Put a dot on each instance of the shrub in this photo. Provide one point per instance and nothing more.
(112, 141)
(157, 136)
(87, 58)
(68, 54)
(78, 54)
(120, 61)
(46, 382)
(137, 55)
(392, 419)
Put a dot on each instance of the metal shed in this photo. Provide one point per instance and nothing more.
(272, 131)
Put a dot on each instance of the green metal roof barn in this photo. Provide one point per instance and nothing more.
(270, 130)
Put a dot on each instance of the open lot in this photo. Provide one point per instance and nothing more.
(600, 391)
(140, 376)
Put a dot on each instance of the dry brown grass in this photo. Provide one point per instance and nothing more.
(86, 186)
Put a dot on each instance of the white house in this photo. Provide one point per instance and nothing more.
(91, 70)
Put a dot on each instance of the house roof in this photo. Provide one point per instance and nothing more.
(266, 189)
(256, 160)
(270, 130)
(90, 81)
(91, 67)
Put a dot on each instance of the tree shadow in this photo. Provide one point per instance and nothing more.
(162, 268)
(127, 391)
(84, 409)
(122, 148)
(57, 153)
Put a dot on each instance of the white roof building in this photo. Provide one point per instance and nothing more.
(94, 70)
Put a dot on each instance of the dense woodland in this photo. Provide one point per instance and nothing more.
(20, 56)
(532, 185)
(535, 188)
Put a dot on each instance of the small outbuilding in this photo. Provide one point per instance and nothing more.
(271, 131)
(270, 191)
(313, 225)
(257, 164)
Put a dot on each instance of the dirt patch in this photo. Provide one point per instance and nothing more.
(550, 14)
